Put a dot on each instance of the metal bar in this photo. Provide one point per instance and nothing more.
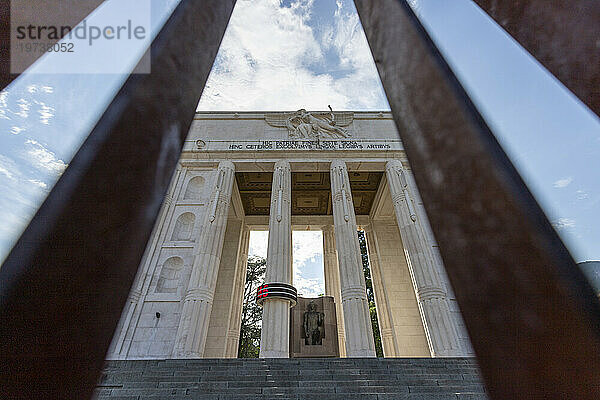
(66, 280)
(533, 319)
(5, 76)
(563, 35)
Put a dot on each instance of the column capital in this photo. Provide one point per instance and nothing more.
(327, 228)
(226, 164)
(394, 164)
(338, 164)
(282, 164)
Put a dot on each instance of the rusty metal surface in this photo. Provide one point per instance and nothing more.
(563, 35)
(533, 319)
(66, 280)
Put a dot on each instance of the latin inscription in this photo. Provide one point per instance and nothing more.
(308, 145)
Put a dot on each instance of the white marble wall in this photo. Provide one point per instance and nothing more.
(140, 333)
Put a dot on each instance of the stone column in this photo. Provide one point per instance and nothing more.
(197, 303)
(440, 327)
(464, 342)
(275, 333)
(357, 321)
(384, 317)
(235, 316)
(332, 283)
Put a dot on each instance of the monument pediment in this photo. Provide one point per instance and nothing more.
(304, 124)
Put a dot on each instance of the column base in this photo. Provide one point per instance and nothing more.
(363, 354)
(275, 354)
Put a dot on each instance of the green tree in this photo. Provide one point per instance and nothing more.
(370, 295)
(251, 312)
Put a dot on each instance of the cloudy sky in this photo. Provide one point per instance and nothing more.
(294, 54)
(307, 254)
(285, 55)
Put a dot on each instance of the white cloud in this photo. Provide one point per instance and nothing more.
(582, 195)
(308, 287)
(8, 168)
(44, 159)
(24, 107)
(258, 243)
(38, 183)
(266, 57)
(6, 173)
(564, 182)
(307, 246)
(16, 130)
(308, 271)
(564, 223)
(46, 113)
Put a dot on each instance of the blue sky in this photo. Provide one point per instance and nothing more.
(308, 54)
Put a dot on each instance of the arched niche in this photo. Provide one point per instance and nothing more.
(170, 274)
(184, 225)
(193, 190)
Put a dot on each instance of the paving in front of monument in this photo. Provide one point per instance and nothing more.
(299, 379)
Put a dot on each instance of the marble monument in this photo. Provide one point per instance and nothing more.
(336, 172)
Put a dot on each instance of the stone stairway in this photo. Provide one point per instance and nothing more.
(299, 379)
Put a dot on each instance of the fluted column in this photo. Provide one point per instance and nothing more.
(384, 317)
(197, 303)
(440, 327)
(357, 321)
(275, 332)
(332, 283)
(235, 317)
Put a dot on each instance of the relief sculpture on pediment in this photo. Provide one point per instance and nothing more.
(312, 125)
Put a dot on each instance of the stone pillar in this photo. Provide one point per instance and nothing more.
(197, 303)
(332, 283)
(237, 300)
(275, 333)
(463, 336)
(357, 321)
(440, 327)
(384, 317)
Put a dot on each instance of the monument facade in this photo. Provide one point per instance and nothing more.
(281, 171)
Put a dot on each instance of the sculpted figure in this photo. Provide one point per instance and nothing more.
(312, 125)
(299, 126)
(314, 331)
(324, 126)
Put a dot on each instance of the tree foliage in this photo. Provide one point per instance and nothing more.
(370, 295)
(251, 312)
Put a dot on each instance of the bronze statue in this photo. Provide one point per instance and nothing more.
(314, 330)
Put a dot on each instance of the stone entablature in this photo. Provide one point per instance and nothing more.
(280, 131)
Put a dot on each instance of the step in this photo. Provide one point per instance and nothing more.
(221, 379)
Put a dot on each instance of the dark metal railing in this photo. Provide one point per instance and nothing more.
(533, 320)
(64, 284)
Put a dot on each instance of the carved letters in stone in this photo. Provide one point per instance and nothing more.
(303, 124)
